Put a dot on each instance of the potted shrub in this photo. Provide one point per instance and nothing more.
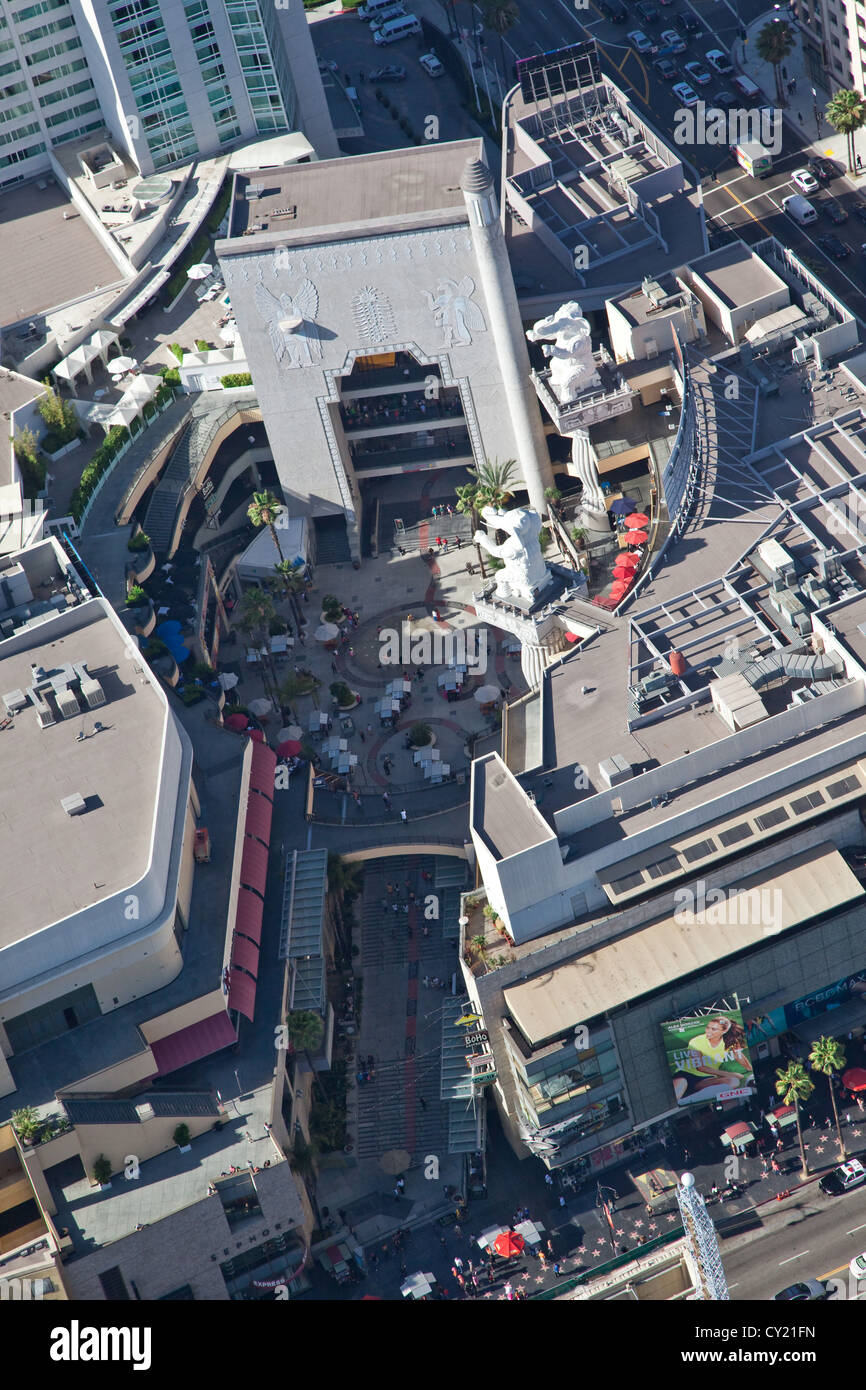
(332, 609)
(136, 598)
(27, 1124)
(102, 1171)
(140, 541)
(181, 1138)
(420, 735)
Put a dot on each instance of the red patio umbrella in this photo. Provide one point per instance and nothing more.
(572, 637)
(630, 561)
(623, 572)
(256, 736)
(636, 520)
(289, 748)
(509, 1244)
(617, 592)
(636, 537)
(236, 722)
(855, 1079)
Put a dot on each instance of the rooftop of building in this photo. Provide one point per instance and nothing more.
(737, 275)
(115, 769)
(811, 884)
(507, 822)
(48, 258)
(355, 192)
(666, 296)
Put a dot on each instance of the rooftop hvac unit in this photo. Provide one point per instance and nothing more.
(254, 190)
(67, 703)
(93, 693)
(74, 805)
(45, 715)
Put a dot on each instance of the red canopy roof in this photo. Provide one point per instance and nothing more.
(245, 953)
(259, 814)
(739, 1131)
(264, 761)
(190, 1044)
(248, 918)
(254, 865)
(855, 1079)
(242, 994)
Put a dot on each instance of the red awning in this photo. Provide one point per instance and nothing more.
(855, 1079)
(262, 766)
(242, 994)
(199, 1040)
(739, 1131)
(245, 953)
(254, 865)
(259, 815)
(248, 918)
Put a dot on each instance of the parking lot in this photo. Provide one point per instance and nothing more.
(429, 105)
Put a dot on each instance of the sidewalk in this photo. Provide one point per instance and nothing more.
(801, 107)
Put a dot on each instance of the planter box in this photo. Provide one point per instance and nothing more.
(184, 1148)
(61, 453)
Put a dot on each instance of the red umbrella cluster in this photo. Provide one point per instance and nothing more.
(509, 1244)
(289, 748)
(636, 537)
(635, 521)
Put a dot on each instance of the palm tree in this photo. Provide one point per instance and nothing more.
(468, 503)
(257, 612)
(305, 1030)
(263, 511)
(500, 16)
(292, 576)
(496, 481)
(846, 112)
(794, 1087)
(828, 1057)
(774, 42)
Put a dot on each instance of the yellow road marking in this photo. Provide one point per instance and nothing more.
(724, 186)
(831, 1272)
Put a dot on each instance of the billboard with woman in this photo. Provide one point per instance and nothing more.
(708, 1057)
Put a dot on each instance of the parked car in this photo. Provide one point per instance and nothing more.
(823, 169)
(834, 248)
(842, 1179)
(686, 94)
(639, 41)
(858, 1266)
(669, 38)
(805, 1291)
(688, 23)
(646, 13)
(431, 64)
(806, 182)
(719, 61)
(833, 210)
(697, 74)
(392, 73)
(859, 210)
(667, 70)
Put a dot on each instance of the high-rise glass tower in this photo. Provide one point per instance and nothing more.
(171, 79)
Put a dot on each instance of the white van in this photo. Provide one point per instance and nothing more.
(393, 10)
(371, 8)
(746, 87)
(396, 29)
(800, 209)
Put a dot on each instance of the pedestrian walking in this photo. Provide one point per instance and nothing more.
(557, 1268)
(542, 1259)
(334, 667)
(422, 1102)
(403, 817)
(847, 1117)
(548, 1180)
(774, 1164)
(458, 1231)
(396, 1194)
(561, 1200)
(458, 1264)
(387, 800)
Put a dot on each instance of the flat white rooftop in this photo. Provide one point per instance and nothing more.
(53, 864)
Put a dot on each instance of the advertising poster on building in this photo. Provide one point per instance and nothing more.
(778, 1020)
(708, 1057)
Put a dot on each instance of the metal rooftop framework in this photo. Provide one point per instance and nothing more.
(301, 926)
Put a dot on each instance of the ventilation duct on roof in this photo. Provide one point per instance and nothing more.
(791, 665)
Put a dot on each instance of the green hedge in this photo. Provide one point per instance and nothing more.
(220, 207)
(101, 460)
(237, 379)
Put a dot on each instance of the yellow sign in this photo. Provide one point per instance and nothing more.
(467, 1018)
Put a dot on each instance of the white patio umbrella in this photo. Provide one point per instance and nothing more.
(122, 413)
(486, 694)
(67, 370)
(200, 271)
(290, 731)
(259, 705)
(122, 364)
(327, 632)
(228, 680)
(228, 334)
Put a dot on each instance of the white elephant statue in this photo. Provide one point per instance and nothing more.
(572, 367)
(525, 573)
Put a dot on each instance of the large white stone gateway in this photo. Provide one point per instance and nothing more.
(375, 302)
